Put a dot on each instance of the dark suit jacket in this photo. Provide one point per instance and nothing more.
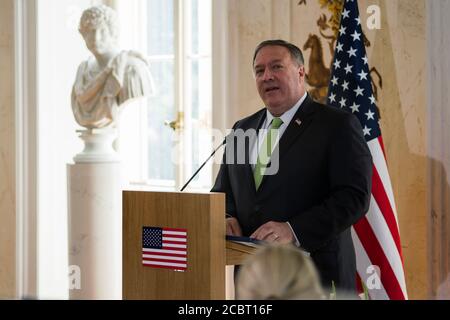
(322, 187)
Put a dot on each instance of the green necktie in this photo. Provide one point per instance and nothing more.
(266, 151)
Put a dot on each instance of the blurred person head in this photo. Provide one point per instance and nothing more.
(278, 272)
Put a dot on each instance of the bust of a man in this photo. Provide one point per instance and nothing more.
(110, 77)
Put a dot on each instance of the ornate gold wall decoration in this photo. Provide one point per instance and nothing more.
(318, 75)
(335, 8)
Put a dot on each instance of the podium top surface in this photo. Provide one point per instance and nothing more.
(149, 190)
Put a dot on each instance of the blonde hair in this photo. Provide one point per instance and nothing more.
(279, 272)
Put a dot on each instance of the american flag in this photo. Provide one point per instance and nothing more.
(164, 248)
(376, 236)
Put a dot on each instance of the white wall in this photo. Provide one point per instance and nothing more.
(60, 50)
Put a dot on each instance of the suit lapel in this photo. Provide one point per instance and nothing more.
(247, 170)
(296, 127)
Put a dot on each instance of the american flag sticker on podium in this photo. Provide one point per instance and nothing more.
(164, 248)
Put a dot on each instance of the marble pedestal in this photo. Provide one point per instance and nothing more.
(95, 219)
(95, 229)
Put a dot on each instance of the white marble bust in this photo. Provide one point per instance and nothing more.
(110, 77)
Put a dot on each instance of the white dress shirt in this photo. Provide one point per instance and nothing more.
(262, 132)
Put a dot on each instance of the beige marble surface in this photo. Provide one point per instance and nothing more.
(7, 160)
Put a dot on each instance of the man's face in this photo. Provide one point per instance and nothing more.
(280, 81)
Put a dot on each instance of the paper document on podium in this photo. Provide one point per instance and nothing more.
(247, 241)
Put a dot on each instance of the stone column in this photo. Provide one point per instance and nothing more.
(95, 219)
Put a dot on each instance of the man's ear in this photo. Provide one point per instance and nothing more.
(301, 71)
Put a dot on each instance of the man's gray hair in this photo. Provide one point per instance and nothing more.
(96, 16)
(296, 53)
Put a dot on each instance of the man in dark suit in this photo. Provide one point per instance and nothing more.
(319, 182)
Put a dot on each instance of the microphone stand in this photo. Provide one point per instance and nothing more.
(198, 170)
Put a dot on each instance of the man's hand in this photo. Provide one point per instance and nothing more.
(233, 227)
(272, 231)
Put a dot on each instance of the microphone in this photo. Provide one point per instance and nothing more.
(206, 161)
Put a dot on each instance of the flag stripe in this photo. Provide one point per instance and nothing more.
(359, 287)
(377, 257)
(381, 143)
(174, 234)
(174, 249)
(180, 239)
(173, 245)
(174, 252)
(160, 252)
(165, 261)
(381, 231)
(174, 242)
(174, 231)
(385, 209)
(380, 163)
(164, 265)
(362, 264)
(155, 256)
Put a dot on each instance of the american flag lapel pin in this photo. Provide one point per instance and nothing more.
(298, 121)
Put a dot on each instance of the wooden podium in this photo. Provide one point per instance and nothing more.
(202, 216)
